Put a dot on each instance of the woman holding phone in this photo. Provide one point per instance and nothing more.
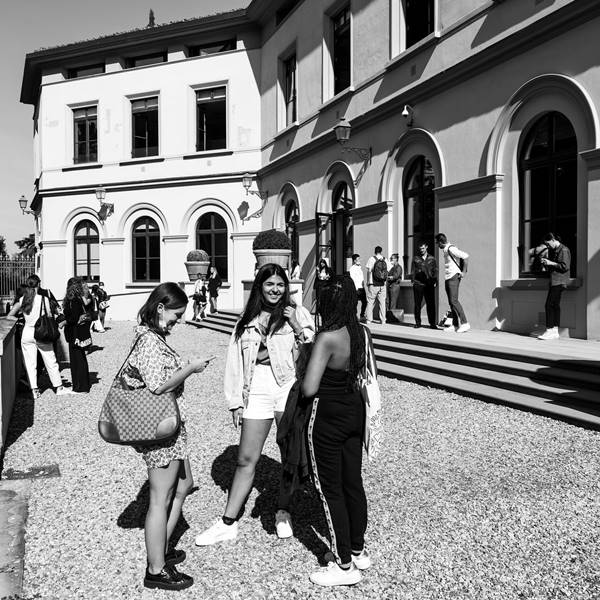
(259, 373)
(152, 363)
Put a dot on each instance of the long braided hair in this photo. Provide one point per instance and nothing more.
(337, 307)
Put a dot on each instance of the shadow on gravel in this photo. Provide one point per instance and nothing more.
(134, 515)
(307, 512)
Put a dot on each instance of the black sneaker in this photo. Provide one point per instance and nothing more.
(168, 579)
(174, 557)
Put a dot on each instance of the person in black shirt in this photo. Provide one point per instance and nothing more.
(424, 275)
(393, 281)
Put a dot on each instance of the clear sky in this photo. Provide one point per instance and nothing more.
(28, 25)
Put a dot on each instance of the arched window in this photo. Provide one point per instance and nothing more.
(146, 250)
(548, 185)
(292, 217)
(211, 235)
(87, 251)
(419, 207)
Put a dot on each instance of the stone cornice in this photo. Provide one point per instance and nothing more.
(481, 185)
(175, 238)
(112, 241)
(53, 242)
(372, 210)
(592, 158)
(240, 235)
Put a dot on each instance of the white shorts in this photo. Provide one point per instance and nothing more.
(266, 396)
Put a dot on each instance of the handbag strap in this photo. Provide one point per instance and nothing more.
(452, 256)
(120, 371)
(42, 305)
(369, 361)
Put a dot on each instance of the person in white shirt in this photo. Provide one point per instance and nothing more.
(356, 273)
(376, 284)
(454, 271)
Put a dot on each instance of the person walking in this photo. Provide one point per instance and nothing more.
(335, 431)
(558, 264)
(152, 363)
(377, 274)
(259, 374)
(424, 275)
(456, 263)
(393, 282)
(103, 299)
(200, 299)
(214, 283)
(31, 304)
(76, 305)
(356, 273)
(94, 309)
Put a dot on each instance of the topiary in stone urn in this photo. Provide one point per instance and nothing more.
(272, 246)
(197, 263)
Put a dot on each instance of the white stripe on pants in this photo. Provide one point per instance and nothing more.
(30, 348)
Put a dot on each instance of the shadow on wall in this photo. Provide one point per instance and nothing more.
(329, 116)
(283, 144)
(502, 18)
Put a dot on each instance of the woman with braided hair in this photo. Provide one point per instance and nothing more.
(335, 430)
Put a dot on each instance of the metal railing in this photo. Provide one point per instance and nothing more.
(13, 272)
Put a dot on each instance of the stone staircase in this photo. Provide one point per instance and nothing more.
(559, 378)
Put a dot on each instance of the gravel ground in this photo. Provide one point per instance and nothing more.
(470, 500)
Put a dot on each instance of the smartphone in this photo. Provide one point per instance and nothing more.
(207, 360)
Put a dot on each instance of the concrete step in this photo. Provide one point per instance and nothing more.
(568, 409)
(559, 372)
(432, 368)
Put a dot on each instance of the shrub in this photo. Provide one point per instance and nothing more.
(198, 255)
(271, 239)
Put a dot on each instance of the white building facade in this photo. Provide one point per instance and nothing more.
(471, 117)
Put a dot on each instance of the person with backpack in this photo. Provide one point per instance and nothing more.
(455, 268)
(377, 275)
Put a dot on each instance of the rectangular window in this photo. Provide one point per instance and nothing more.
(341, 50)
(146, 59)
(418, 19)
(211, 119)
(289, 89)
(85, 130)
(144, 126)
(212, 48)
(85, 71)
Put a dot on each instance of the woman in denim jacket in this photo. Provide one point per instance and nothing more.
(259, 373)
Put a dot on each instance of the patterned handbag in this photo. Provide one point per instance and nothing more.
(137, 417)
(369, 389)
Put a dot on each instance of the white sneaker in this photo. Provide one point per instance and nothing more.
(463, 328)
(283, 524)
(362, 561)
(449, 329)
(219, 532)
(332, 575)
(549, 334)
(62, 392)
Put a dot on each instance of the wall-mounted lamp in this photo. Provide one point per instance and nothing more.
(106, 208)
(342, 134)
(23, 202)
(262, 194)
(409, 114)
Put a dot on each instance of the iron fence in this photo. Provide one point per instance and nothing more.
(14, 272)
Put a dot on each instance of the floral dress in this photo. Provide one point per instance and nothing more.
(152, 363)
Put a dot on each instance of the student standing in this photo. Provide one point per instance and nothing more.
(393, 282)
(259, 374)
(356, 273)
(335, 431)
(558, 263)
(424, 275)
(377, 274)
(214, 283)
(33, 301)
(454, 272)
(155, 365)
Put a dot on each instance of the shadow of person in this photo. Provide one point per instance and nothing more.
(307, 512)
(134, 514)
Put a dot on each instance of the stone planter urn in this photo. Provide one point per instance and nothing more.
(197, 264)
(272, 246)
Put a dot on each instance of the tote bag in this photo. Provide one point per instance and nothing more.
(137, 417)
(371, 395)
(45, 329)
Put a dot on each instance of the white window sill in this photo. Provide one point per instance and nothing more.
(409, 53)
(337, 98)
(291, 127)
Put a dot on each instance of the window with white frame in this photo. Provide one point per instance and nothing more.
(85, 134)
(144, 127)
(211, 118)
(86, 251)
(146, 250)
(288, 87)
(341, 50)
(418, 20)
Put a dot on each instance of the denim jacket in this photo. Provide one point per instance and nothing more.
(241, 357)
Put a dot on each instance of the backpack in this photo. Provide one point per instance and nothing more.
(380, 271)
